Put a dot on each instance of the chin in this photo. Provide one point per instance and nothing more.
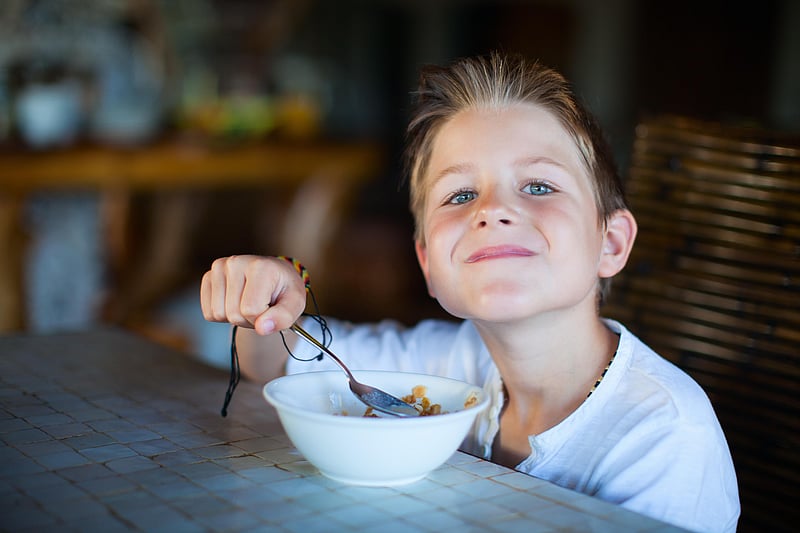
(494, 307)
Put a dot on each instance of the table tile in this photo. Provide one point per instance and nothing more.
(130, 501)
(44, 448)
(523, 502)
(326, 500)
(241, 462)
(402, 504)
(483, 488)
(176, 490)
(228, 481)
(195, 440)
(76, 509)
(40, 479)
(154, 447)
(438, 521)
(8, 425)
(279, 511)
(85, 472)
(295, 488)
(50, 495)
(106, 522)
(52, 419)
(218, 451)
(448, 475)
(482, 511)
(55, 461)
(106, 486)
(202, 503)
(231, 521)
(66, 430)
(135, 463)
(92, 414)
(172, 429)
(195, 471)
(521, 524)
(160, 517)
(356, 516)
(401, 526)
(136, 434)
(27, 516)
(108, 452)
(267, 476)
(25, 436)
(313, 523)
(153, 477)
(21, 466)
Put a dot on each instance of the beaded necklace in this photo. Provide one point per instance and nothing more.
(596, 383)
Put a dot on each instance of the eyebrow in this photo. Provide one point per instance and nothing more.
(536, 160)
(465, 168)
(458, 168)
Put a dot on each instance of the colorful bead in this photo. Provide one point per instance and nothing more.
(298, 266)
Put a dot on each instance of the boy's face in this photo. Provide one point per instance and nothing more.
(510, 223)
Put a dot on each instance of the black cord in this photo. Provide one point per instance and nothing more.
(236, 374)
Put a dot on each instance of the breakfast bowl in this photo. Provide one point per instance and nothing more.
(328, 426)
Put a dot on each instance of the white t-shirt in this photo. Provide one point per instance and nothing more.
(646, 439)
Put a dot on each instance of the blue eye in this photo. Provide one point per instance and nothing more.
(537, 188)
(461, 197)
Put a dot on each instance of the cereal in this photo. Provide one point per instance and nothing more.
(471, 400)
(421, 403)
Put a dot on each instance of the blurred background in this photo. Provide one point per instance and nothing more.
(141, 139)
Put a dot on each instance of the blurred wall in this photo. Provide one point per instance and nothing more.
(127, 72)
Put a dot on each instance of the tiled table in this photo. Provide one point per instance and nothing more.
(104, 431)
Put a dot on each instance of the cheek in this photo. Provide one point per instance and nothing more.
(577, 238)
(442, 235)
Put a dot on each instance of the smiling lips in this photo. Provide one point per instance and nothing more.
(499, 252)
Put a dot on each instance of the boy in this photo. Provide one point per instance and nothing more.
(521, 221)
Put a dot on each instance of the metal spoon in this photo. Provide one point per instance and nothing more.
(375, 398)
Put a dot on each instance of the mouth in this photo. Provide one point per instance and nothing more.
(499, 252)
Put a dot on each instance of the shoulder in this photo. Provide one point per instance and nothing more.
(642, 376)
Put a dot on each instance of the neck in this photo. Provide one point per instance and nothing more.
(548, 369)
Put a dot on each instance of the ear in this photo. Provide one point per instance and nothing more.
(422, 258)
(617, 243)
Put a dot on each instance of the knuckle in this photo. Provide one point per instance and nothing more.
(219, 264)
(251, 310)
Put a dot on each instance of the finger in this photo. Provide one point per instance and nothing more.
(216, 291)
(205, 296)
(234, 279)
(256, 296)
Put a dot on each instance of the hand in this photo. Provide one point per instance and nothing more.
(263, 293)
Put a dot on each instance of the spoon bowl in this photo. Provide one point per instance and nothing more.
(374, 397)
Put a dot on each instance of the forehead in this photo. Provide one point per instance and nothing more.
(491, 135)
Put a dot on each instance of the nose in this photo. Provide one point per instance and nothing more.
(493, 209)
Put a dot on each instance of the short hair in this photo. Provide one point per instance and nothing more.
(496, 81)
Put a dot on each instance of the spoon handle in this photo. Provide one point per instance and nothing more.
(307, 336)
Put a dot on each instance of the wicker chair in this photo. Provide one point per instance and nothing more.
(713, 284)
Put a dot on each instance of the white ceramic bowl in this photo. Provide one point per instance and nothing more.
(325, 422)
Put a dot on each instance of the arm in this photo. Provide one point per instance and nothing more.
(261, 295)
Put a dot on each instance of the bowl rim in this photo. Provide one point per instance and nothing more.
(480, 406)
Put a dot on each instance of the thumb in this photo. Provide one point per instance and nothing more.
(283, 312)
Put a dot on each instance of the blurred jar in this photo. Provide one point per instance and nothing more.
(49, 114)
